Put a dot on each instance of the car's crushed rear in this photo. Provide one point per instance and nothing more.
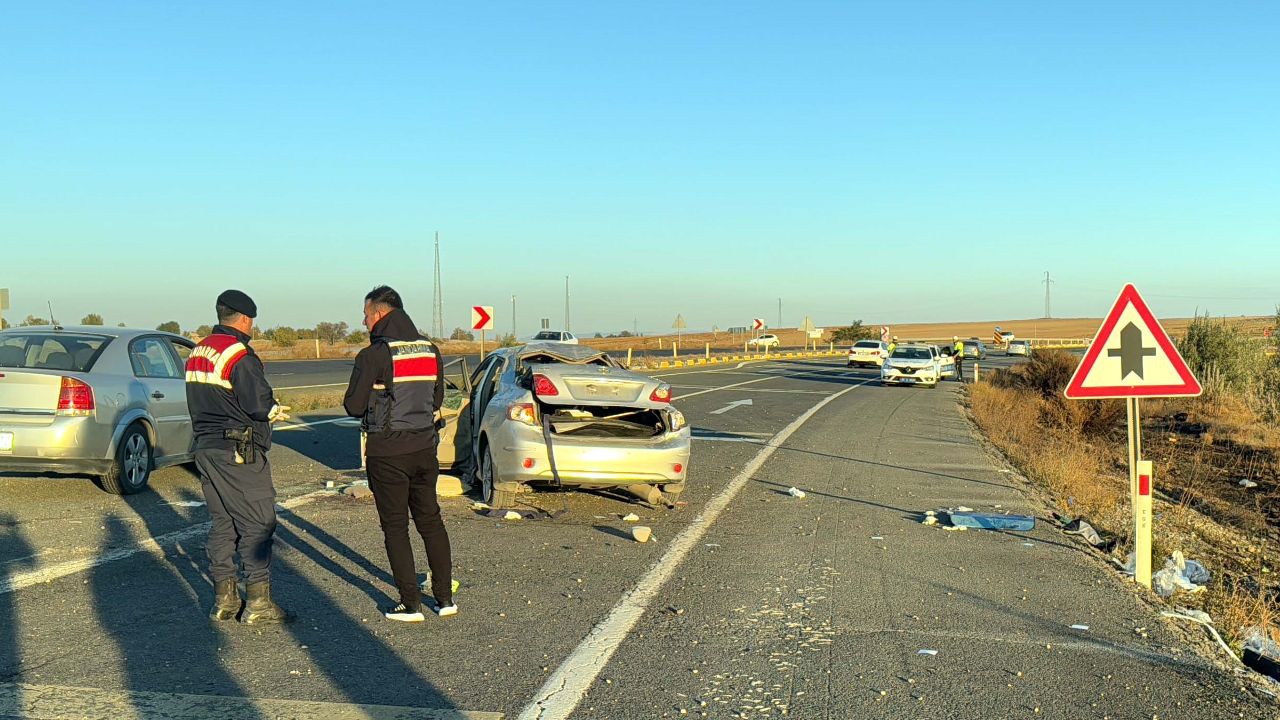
(605, 425)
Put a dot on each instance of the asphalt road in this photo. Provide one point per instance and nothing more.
(294, 374)
(748, 603)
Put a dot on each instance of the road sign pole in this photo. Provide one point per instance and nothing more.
(482, 345)
(1142, 525)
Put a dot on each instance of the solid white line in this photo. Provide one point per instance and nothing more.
(308, 387)
(723, 387)
(18, 581)
(568, 685)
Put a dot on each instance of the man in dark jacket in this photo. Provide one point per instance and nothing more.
(232, 407)
(397, 392)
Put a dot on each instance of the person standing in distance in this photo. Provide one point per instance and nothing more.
(232, 407)
(397, 392)
(957, 351)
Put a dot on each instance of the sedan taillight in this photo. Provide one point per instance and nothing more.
(543, 387)
(75, 398)
(661, 394)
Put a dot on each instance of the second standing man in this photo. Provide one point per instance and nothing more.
(397, 392)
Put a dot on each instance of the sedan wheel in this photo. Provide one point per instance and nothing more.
(488, 485)
(132, 468)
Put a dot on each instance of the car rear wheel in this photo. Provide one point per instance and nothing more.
(492, 496)
(132, 468)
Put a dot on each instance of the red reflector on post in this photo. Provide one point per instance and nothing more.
(1144, 484)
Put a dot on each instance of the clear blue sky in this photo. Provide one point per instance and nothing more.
(890, 161)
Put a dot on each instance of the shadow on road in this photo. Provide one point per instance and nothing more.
(15, 554)
(149, 608)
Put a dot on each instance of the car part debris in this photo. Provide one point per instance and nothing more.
(1212, 630)
(929, 520)
(795, 492)
(1085, 531)
(1247, 483)
(985, 521)
(1079, 627)
(631, 518)
(930, 653)
(1262, 652)
(641, 533)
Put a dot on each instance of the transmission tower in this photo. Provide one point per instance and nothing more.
(1047, 282)
(437, 312)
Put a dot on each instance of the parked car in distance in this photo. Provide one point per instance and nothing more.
(109, 402)
(767, 340)
(603, 426)
(1018, 347)
(560, 336)
(870, 353)
(974, 349)
(912, 364)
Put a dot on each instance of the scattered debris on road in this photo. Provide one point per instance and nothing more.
(357, 492)
(1247, 483)
(930, 653)
(1179, 574)
(1262, 652)
(988, 521)
(632, 517)
(1079, 627)
(1085, 531)
(641, 533)
(796, 492)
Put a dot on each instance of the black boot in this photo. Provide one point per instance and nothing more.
(261, 609)
(226, 601)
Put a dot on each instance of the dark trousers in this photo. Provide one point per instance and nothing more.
(242, 506)
(959, 368)
(405, 485)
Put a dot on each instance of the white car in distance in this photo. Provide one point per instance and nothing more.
(768, 340)
(1018, 347)
(868, 352)
(913, 364)
(559, 336)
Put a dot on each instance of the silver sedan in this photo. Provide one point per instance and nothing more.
(109, 402)
(550, 413)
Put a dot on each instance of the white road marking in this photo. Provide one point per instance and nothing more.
(309, 387)
(352, 422)
(732, 405)
(21, 580)
(53, 702)
(754, 390)
(568, 685)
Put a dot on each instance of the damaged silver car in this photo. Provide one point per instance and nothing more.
(570, 416)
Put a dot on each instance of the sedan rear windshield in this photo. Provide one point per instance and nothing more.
(867, 344)
(51, 351)
(911, 354)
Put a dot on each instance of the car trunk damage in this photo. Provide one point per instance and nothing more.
(604, 421)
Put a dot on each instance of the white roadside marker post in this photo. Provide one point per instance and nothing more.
(1142, 526)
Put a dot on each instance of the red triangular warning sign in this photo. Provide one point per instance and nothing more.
(1131, 356)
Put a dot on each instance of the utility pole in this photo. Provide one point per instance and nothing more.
(437, 311)
(566, 304)
(513, 316)
(1047, 282)
(779, 312)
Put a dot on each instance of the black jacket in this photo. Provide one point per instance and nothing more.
(247, 403)
(373, 366)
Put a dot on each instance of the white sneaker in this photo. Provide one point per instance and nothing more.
(402, 613)
(447, 610)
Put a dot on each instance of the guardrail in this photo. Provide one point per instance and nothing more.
(654, 363)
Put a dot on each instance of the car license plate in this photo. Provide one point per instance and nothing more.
(907, 379)
(6, 442)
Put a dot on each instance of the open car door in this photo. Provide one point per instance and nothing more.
(455, 447)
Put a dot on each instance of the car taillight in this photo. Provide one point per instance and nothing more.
(661, 394)
(543, 387)
(75, 398)
(522, 412)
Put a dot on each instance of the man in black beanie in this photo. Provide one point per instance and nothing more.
(232, 407)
